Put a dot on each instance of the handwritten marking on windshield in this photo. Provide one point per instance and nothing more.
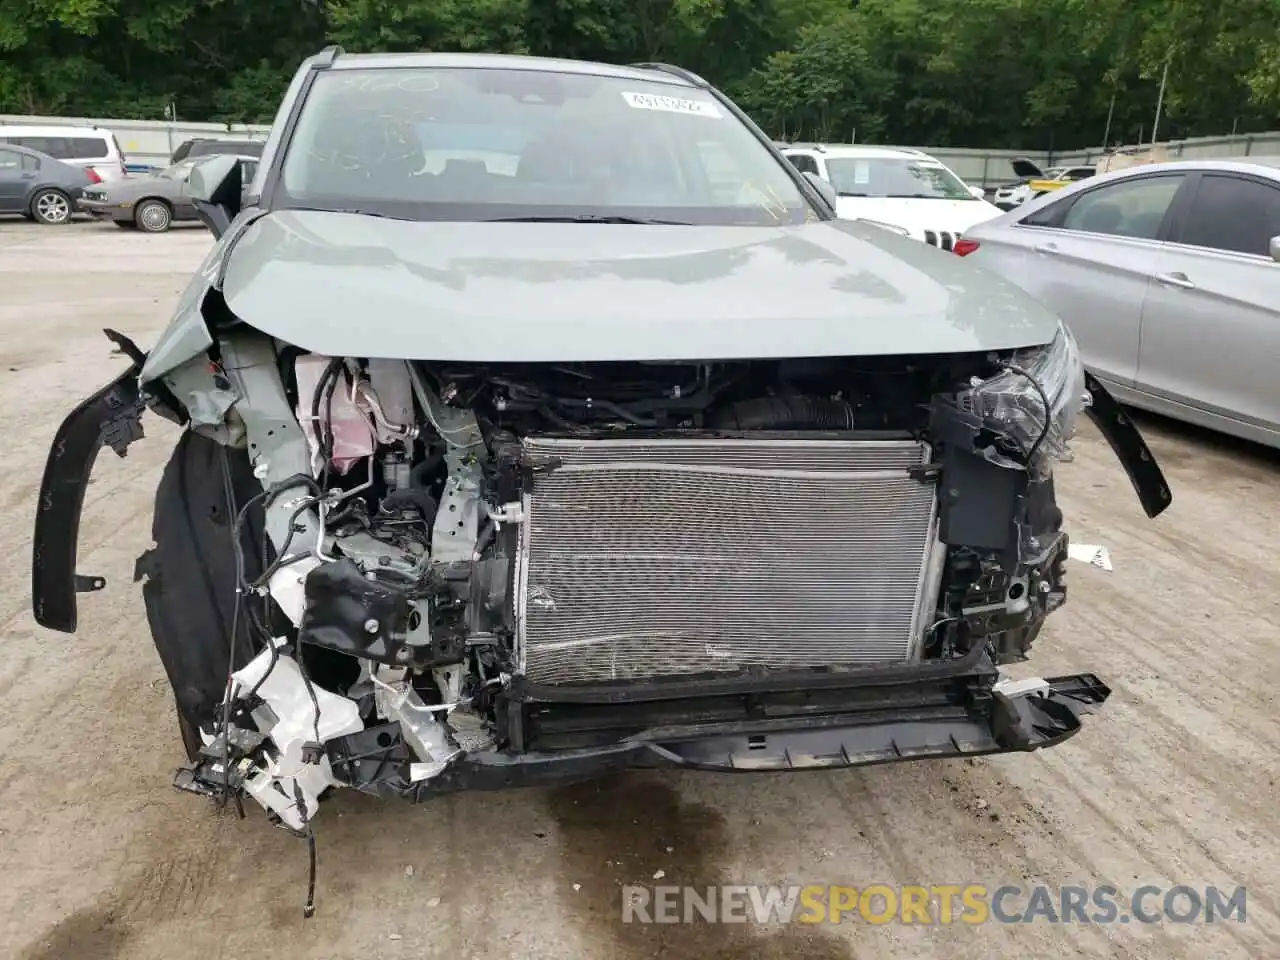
(653, 101)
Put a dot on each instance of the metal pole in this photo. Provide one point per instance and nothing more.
(1110, 113)
(1164, 76)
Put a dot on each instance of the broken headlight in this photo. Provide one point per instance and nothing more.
(1035, 403)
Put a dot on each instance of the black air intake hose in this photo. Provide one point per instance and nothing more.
(414, 497)
(785, 413)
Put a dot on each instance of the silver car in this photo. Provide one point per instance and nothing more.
(153, 202)
(525, 443)
(1167, 274)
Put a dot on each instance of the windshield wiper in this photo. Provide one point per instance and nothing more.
(845, 193)
(589, 218)
(917, 196)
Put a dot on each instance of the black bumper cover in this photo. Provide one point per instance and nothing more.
(377, 761)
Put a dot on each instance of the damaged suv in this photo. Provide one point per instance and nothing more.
(542, 420)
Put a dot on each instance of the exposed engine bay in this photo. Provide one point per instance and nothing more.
(460, 558)
(416, 577)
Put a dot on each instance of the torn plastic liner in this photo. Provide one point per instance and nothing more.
(293, 721)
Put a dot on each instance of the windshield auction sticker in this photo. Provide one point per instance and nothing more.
(651, 101)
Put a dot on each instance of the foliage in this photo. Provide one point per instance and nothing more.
(1017, 73)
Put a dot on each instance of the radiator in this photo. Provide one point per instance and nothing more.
(652, 558)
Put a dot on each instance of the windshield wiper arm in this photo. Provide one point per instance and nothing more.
(845, 193)
(589, 218)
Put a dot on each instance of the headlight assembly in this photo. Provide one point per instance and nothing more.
(1035, 402)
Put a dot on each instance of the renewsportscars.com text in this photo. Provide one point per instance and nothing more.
(934, 904)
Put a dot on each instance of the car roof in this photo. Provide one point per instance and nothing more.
(851, 151)
(1269, 166)
(44, 130)
(503, 61)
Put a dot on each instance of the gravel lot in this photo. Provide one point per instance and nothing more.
(1174, 782)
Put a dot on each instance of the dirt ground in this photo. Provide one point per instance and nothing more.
(1174, 782)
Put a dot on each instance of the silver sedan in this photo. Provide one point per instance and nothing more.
(154, 202)
(1167, 274)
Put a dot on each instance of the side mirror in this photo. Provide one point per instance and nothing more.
(978, 193)
(215, 192)
(1275, 249)
(827, 190)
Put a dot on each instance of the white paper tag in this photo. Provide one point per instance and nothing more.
(1090, 553)
(653, 101)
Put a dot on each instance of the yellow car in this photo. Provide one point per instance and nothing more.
(1036, 181)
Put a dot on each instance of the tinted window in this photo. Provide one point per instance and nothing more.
(55, 147)
(1131, 208)
(468, 144)
(208, 148)
(1232, 213)
(894, 177)
(1047, 216)
(10, 161)
(803, 163)
(1080, 173)
(87, 148)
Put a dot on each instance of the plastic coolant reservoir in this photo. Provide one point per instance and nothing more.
(390, 380)
(352, 432)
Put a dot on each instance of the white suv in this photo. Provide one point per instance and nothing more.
(897, 187)
(95, 149)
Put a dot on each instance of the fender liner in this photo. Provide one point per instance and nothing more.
(1129, 447)
(112, 417)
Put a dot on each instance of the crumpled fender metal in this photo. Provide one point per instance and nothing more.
(112, 417)
(1129, 447)
(187, 336)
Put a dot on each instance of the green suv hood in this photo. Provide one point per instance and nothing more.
(354, 285)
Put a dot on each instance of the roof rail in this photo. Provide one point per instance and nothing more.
(329, 54)
(675, 71)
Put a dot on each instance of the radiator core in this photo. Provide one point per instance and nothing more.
(645, 558)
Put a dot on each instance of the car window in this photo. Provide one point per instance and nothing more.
(469, 144)
(1234, 214)
(55, 147)
(10, 161)
(894, 177)
(1080, 173)
(29, 162)
(804, 163)
(1131, 208)
(87, 148)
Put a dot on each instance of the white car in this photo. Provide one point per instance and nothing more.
(1015, 194)
(897, 187)
(95, 149)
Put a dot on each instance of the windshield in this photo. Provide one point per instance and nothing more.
(895, 177)
(465, 144)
